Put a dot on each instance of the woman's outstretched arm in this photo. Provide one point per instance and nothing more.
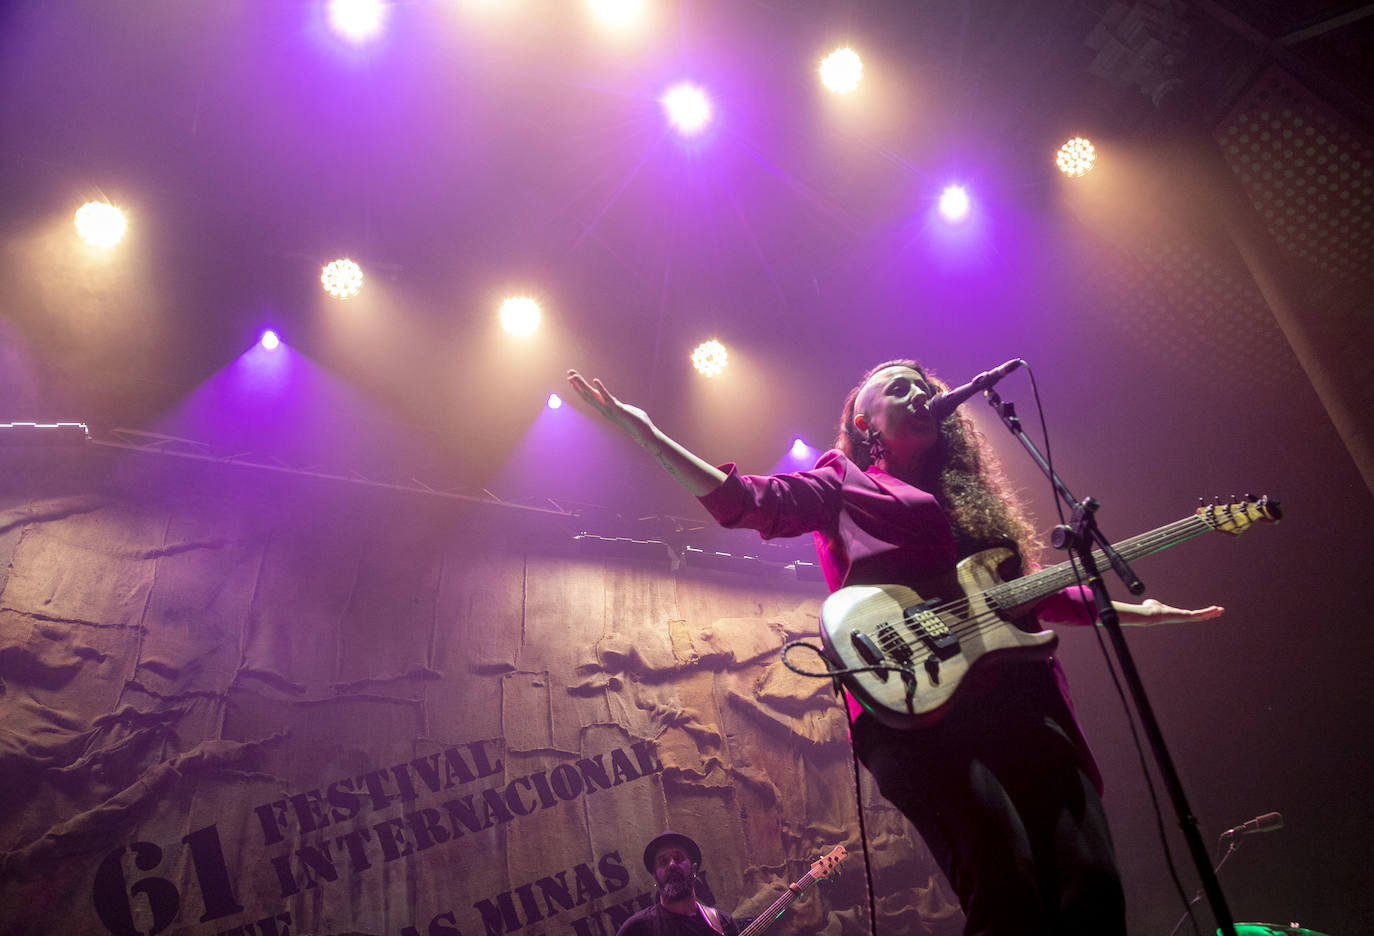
(696, 475)
(1075, 606)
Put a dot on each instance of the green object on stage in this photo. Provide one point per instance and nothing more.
(1269, 929)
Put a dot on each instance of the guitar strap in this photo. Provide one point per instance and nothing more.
(712, 917)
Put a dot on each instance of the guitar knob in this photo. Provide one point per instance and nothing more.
(909, 681)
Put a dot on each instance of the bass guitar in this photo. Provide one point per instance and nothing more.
(904, 653)
(819, 869)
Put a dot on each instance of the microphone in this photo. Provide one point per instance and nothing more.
(1268, 822)
(945, 403)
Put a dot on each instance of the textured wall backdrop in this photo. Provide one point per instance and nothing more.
(234, 702)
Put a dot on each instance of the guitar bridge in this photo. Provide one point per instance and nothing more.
(930, 629)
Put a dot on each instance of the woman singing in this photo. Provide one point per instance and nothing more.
(1003, 788)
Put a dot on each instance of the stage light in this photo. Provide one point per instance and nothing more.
(842, 70)
(520, 315)
(356, 20)
(954, 203)
(617, 12)
(555, 401)
(1076, 157)
(799, 448)
(269, 340)
(100, 224)
(687, 108)
(342, 279)
(709, 358)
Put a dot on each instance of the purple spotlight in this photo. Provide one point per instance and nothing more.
(555, 401)
(799, 448)
(954, 203)
(356, 20)
(688, 108)
(269, 340)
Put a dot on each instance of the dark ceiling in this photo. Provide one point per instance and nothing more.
(483, 149)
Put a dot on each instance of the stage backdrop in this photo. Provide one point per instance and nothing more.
(242, 702)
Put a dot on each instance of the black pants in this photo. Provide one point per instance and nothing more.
(1003, 803)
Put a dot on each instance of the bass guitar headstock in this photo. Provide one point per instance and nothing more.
(1236, 518)
(822, 867)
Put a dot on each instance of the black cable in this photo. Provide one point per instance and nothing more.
(832, 673)
(863, 840)
(836, 671)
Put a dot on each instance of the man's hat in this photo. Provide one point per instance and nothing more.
(671, 838)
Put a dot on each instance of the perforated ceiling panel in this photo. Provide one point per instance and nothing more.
(1187, 308)
(1310, 174)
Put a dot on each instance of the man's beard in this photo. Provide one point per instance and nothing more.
(676, 887)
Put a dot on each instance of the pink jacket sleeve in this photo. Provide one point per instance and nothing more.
(1073, 605)
(779, 505)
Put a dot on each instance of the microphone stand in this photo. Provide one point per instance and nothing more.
(1078, 537)
(1231, 845)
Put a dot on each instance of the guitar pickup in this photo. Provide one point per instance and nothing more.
(868, 650)
(930, 629)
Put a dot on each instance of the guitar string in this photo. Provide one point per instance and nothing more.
(1010, 589)
(896, 645)
(789, 896)
(891, 640)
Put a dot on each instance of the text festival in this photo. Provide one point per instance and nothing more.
(364, 845)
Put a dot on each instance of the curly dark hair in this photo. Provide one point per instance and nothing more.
(964, 474)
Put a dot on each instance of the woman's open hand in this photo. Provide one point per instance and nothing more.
(698, 476)
(1151, 612)
(630, 419)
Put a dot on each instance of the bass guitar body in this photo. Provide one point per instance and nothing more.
(924, 644)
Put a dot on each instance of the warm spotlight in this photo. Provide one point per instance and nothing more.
(618, 12)
(100, 224)
(709, 358)
(356, 20)
(954, 203)
(842, 70)
(520, 315)
(555, 401)
(269, 340)
(1076, 157)
(687, 108)
(342, 279)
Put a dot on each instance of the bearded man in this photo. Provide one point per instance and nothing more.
(674, 860)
